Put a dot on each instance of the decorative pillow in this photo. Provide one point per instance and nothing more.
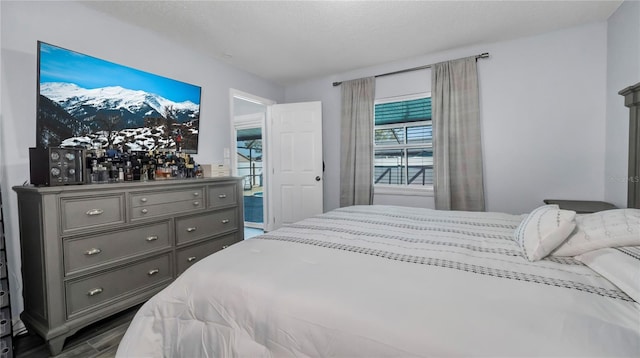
(619, 265)
(609, 228)
(543, 230)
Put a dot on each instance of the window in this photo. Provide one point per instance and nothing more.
(403, 153)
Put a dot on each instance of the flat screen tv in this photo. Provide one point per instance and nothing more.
(85, 102)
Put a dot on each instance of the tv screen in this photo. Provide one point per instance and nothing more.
(86, 102)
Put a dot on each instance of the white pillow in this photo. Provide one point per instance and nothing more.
(609, 228)
(621, 266)
(543, 230)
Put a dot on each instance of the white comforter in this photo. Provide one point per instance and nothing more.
(381, 281)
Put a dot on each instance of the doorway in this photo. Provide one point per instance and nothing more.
(249, 159)
(279, 156)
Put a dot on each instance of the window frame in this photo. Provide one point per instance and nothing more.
(402, 189)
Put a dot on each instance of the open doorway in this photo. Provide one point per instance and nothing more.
(249, 160)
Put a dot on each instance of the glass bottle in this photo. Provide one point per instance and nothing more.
(128, 172)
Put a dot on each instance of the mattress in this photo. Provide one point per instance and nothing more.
(386, 281)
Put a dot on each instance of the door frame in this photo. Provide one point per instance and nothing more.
(250, 121)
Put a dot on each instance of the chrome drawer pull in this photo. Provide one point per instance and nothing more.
(153, 272)
(93, 251)
(196, 194)
(144, 211)
(224, 246)
(152, 238)
(222, 196)
(191, 229)
(225, 221)
(93, 212)
(196, 203)
(94, 292)
(191, 259)
(144, 200)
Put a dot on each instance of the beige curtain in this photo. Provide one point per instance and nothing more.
(356, 139)
(457, 146)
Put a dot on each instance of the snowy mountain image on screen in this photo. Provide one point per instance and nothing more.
(70, 115)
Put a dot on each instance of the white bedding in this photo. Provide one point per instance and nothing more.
(374, 281)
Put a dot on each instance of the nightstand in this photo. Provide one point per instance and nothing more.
(581, 206)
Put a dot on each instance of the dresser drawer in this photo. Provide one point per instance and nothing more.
(206, 225)
(159, 203)
(85, 212)
(223, 195)
(90, 251)
(86, 293)
(190, 255)
(6, 347)
(179, 207)
(4, 293)
(142, 199)
(3, 264)
(5, 321)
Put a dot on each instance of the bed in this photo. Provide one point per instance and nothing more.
(386, 281)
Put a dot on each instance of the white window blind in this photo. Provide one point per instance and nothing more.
(403, 154)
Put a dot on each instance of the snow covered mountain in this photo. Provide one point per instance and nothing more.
(69, 115)
(133, 105)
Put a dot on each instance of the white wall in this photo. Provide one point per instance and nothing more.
(623, 70)
(543, 110)
(73, 26)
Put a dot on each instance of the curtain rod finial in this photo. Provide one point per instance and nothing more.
(335, 84)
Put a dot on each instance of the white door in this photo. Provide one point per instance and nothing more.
(295, 153)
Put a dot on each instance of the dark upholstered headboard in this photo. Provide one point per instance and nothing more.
(632, 100)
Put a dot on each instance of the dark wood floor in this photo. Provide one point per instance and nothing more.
(99, 340)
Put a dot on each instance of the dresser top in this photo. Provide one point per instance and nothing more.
(121, 186)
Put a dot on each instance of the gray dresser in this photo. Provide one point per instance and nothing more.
(89, 251)
(6, 330)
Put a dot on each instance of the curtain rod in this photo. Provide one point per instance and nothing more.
(482, 55)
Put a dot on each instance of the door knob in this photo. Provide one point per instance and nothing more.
(318, 178)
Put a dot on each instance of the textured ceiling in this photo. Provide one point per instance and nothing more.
(291, 41)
